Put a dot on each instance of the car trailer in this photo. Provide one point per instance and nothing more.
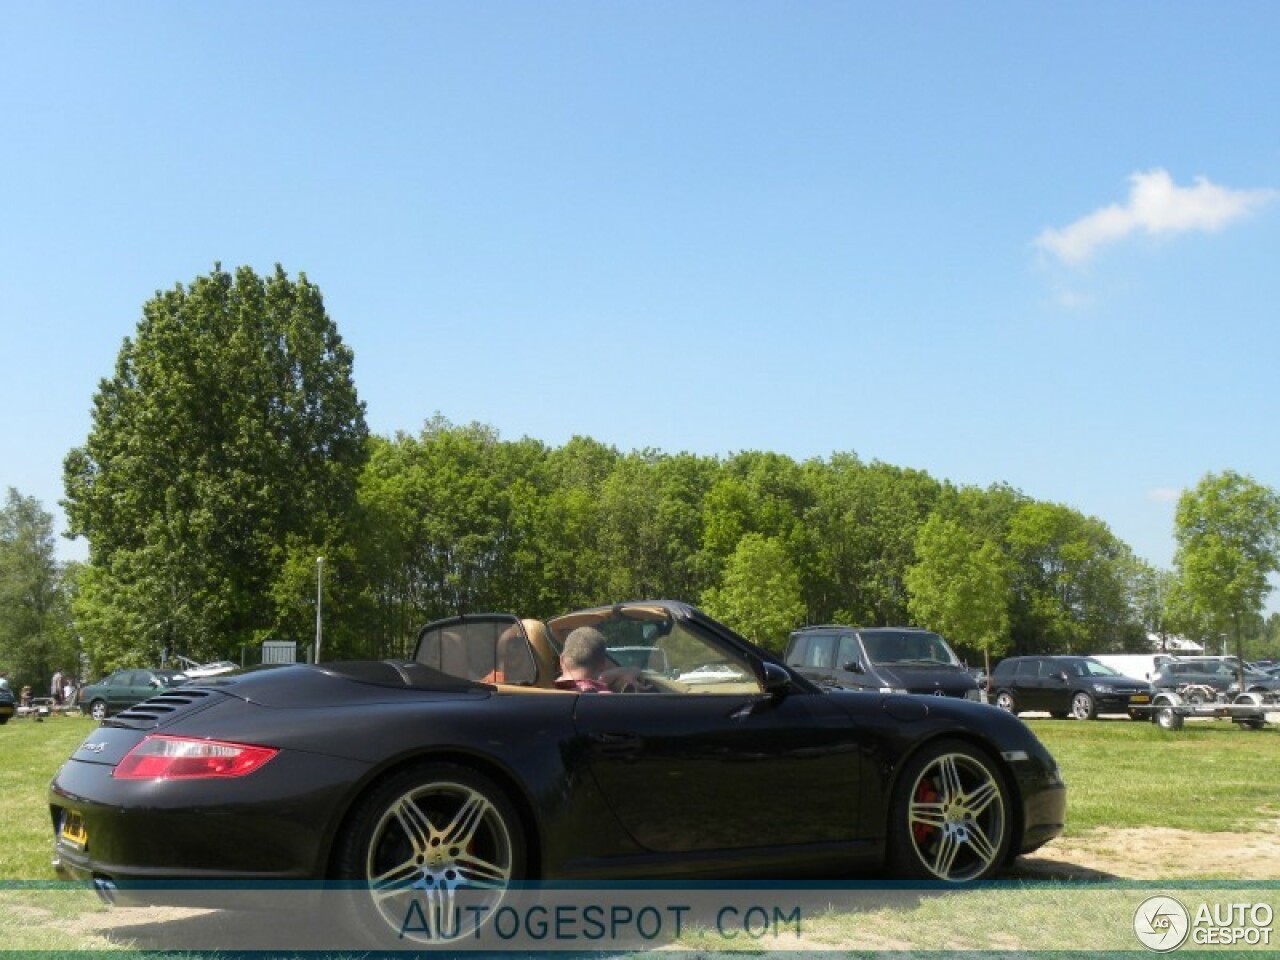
(1170, 708)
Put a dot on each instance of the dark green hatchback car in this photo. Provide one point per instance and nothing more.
(124, 688)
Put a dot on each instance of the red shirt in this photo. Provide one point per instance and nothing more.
(585, 685)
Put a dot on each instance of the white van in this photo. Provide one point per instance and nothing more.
(1140, 666)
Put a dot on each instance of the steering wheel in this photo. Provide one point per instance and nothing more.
(638, 683)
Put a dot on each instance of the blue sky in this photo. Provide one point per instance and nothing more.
(1000, 242)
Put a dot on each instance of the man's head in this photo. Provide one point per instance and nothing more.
(584, 649)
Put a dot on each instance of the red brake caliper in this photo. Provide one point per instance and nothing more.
(924, 794)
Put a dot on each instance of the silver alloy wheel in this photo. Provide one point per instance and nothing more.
(98, 710)
(956, 820)
(441, 853)
(1082, 707)
(1004, 700)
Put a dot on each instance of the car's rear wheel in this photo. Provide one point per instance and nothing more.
(1083, 706)
(1005, 701)
(98, 709)
(428, 851)
(950, 818)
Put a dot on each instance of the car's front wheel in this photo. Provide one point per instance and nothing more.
(951, 818)
(1083, 706)
(429, 850)
(98, 709)
(1005, 701)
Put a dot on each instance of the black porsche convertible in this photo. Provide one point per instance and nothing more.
(468, 769)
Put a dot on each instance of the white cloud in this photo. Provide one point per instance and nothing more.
(1164, 495)
(1156, 205)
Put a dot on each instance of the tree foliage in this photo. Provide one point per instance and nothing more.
(228, 451)
(960, 586)
(1228, 534)
(1070, 585)
(35, 625)
(230, 430)
(760, 594)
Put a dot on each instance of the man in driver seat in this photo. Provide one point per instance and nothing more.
(584, 664)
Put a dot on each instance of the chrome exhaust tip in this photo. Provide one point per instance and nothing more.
(106, 890)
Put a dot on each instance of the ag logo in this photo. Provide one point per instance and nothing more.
(1161, 923)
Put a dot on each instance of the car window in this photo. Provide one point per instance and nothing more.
(906, 646)
(1093, 668)
(798, 650)
(821, 653)
(1028, 668)
(487, 650)
(692, 663)
(848, 652)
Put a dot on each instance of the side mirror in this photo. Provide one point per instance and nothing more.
(853, 666)
(1061, 676)
(775, 679)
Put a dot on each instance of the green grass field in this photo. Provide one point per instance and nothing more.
(1209, 777)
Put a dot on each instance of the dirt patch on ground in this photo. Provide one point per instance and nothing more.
(1158, 853)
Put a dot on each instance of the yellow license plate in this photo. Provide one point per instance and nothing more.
(1139, 698)
(73, 831)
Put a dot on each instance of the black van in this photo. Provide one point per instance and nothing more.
(884, 659)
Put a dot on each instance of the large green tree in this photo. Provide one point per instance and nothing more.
(760, 595)
(1228, 534)
(229, 435)
(452, 524)
(959, 586)
(858, 538)
(1071, 582)
(35, 630)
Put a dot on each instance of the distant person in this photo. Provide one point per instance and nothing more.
(55, 687)
(4, 679)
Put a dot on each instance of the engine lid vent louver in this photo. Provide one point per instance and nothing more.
(151, 713)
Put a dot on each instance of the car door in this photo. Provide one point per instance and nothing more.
(687, 772)
(1028, 688)
(120, 690)
(1055, 686)
(700, 764)
(143, 685)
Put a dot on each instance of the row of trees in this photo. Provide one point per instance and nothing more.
(229, 450)
(36, 632)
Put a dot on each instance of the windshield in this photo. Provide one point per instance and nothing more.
(1092, 668)
(663, 647)
(909, 647)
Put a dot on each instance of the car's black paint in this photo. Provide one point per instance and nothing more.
(753, 783)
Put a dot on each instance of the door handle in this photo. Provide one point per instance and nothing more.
(616, 745)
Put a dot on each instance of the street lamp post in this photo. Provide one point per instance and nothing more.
(319, 603)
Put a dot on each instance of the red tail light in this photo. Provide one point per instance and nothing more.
(181, 758)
